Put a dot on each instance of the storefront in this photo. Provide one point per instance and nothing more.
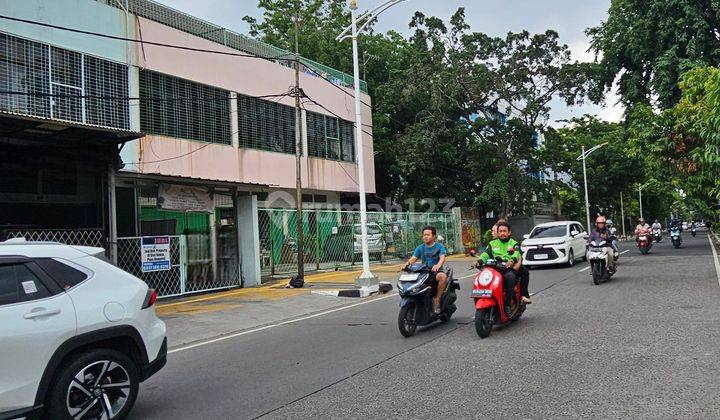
(203, 222)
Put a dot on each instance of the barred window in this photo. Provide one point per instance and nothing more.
(174, 107)
(266, 125)
(50, 82)
(330, 137)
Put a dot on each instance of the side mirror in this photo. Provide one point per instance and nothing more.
(334, 230)
(526, 236)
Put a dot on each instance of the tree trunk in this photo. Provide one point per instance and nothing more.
(556, 198)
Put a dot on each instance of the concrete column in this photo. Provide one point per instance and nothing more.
(112, 215)
(212, 221)
(234, 130)
(249, 238)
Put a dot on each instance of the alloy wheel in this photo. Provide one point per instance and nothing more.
(100, 390)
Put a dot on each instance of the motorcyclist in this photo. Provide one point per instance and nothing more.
(602, 233)
(523, 274)
(432, 254)
(508, 250)
(613, 234)
(675, 223)
(656, 225)
(641, 229)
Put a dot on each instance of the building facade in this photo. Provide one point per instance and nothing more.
(127, 119)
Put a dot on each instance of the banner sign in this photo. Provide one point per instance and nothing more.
(155, 253)
(185, 198)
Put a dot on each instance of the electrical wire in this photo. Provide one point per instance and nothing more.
(143, 42)
(137, 98)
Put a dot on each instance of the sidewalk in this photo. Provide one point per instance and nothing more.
(195, 318)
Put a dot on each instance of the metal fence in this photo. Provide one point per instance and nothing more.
(86, 237)
(332, 238)
(166, 15)
(192, 269)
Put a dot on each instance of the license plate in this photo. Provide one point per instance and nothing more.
(643, 238)
(541, 257)
(408, 277)
(482, 293)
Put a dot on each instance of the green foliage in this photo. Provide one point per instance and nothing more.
(648, 46)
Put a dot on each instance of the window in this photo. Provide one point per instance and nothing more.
(40, 70)
(19, 284)
(266, 125)
(174, 107)
(549, 232)
(330, 137)
(64, 275)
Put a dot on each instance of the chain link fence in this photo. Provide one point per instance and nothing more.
(332, 239)
(85, 237)
(192, 268)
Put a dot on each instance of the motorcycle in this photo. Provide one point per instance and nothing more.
(599, 254)
(657, 235)
(490, 299)
(693, 231)
(644, 243)
(417, 297)
(675, 236)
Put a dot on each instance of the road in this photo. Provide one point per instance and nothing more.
(644, 345)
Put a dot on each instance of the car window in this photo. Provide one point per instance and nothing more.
(371, 230)
(549, 231)
(64, 275)
(19, 284)
(579, 228)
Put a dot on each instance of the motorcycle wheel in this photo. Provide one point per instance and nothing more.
(445, 316)
(597, 273)
(643, 251)
(406, 320)
(483, 322)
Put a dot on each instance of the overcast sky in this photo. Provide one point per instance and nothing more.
(569, 18)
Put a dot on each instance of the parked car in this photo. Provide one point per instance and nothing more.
(78, 334)
(345, 243)
(554, 243)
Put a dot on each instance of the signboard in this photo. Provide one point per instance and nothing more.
(155, 253)
(185, 198)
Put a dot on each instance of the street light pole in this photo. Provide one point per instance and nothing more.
(298, 154)
(582, 157)
(640, 200)
(622, 212)
(352, 31)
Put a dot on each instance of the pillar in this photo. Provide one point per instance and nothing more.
(248, 239)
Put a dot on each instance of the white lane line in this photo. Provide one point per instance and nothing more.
(289, 321)
(588, 267)
(715, 259)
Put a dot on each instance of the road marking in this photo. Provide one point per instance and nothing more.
(715, 259)
(289, 321)
(267, 327)
(588, 267)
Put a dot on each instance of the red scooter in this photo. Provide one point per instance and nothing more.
(644, 242)
(489, 296)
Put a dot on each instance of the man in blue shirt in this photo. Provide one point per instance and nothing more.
(432, 254)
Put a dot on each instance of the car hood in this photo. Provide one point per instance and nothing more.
(544, 241)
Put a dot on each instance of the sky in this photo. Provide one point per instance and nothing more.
(569, 18)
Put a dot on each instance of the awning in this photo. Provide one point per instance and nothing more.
(32, 128)
(140, 176)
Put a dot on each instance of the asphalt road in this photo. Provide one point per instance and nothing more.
(644, 345)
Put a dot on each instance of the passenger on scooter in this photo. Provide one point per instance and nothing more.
(523, 274)
(601, 233)
(641, 229)
(432, 254)
(508, 250)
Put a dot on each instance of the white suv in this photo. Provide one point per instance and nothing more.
(554, 243)
(77, 334)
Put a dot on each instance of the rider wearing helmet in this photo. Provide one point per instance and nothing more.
(508, 250)
(602, 233)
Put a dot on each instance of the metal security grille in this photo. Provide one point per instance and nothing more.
(330, 137)
(56, 83)
(86, 237)
(167, 283)
(332, 238)
(190, 24)
(175, 107)
(266, 125)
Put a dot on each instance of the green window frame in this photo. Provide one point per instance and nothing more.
(265, 125)
(175, 107)
(330, 138)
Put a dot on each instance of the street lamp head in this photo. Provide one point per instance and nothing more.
(352, 4)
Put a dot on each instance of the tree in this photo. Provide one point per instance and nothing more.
(648, 45)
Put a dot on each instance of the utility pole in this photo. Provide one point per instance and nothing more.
(622, 213)
(298, 150)
(640, 200)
